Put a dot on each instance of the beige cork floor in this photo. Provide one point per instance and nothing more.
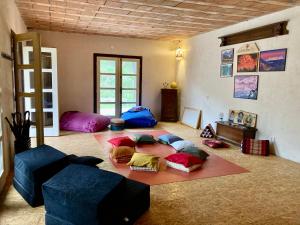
(268, 194)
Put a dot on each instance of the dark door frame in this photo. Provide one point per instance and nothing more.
(116, 56)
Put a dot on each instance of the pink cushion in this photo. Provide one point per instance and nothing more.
(185, 159)
(215, 144)
(122, 141)
(83, 122)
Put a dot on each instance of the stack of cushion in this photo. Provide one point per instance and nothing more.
(122, 149)
(187, 159)
(144, 162)
(122, 154)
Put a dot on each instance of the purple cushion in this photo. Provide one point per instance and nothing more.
(84, 122)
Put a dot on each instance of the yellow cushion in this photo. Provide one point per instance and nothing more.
(121, 151)
(145, 160)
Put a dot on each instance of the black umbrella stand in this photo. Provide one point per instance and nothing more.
(20, 127)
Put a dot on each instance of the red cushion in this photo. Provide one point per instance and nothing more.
(215, 144)
(185, 159)
(122, 141)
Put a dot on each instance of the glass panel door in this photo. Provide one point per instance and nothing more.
(130, 83)
(49, 89)
(118, 84)
(29, 93)
(107, 83)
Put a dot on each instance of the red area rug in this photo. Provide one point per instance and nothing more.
(214, 166)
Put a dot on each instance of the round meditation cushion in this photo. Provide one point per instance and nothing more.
(117, 124)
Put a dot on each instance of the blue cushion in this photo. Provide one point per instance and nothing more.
(82, 194)
(169, 138)
(33, 167)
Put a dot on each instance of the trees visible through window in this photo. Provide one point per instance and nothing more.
(117, 84)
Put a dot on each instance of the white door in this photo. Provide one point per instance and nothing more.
(50, 92)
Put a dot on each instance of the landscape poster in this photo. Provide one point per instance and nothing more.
(273, 60)
(246, 86)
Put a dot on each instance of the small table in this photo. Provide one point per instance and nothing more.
(234, 133)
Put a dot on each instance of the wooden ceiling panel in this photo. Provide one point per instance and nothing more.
(151, 19)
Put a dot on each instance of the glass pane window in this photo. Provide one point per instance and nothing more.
(129, 67)
(128, 95)
(48, 118)
(127, 106)
(47, 80)
(107, 95)
(107, 109)
(47, 101)
(107, 66)
(128, 81)
(107, 81)
(46, 60)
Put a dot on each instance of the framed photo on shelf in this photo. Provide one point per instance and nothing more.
(250, 119)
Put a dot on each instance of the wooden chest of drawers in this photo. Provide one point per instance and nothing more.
(234, 133)
(169, 105)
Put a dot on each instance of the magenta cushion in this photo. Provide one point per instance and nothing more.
(83, 122)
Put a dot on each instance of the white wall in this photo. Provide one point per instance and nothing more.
(10, 19)
(278, 105)
(75, 66)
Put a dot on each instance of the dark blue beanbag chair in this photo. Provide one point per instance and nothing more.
(139, 117)
(33, 167)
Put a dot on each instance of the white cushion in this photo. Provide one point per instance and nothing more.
(179, 145)
(182, 167)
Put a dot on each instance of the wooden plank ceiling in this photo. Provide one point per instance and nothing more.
(151, 19)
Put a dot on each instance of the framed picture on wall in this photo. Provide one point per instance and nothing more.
(272, 60)
(226, 70)
(247, 62)
(227, 56)
(246, 86)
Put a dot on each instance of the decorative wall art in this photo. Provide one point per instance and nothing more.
(226, 70)
(227, 56)
(248, 48)
(247, 62)
(246, 86)
(272, 60)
